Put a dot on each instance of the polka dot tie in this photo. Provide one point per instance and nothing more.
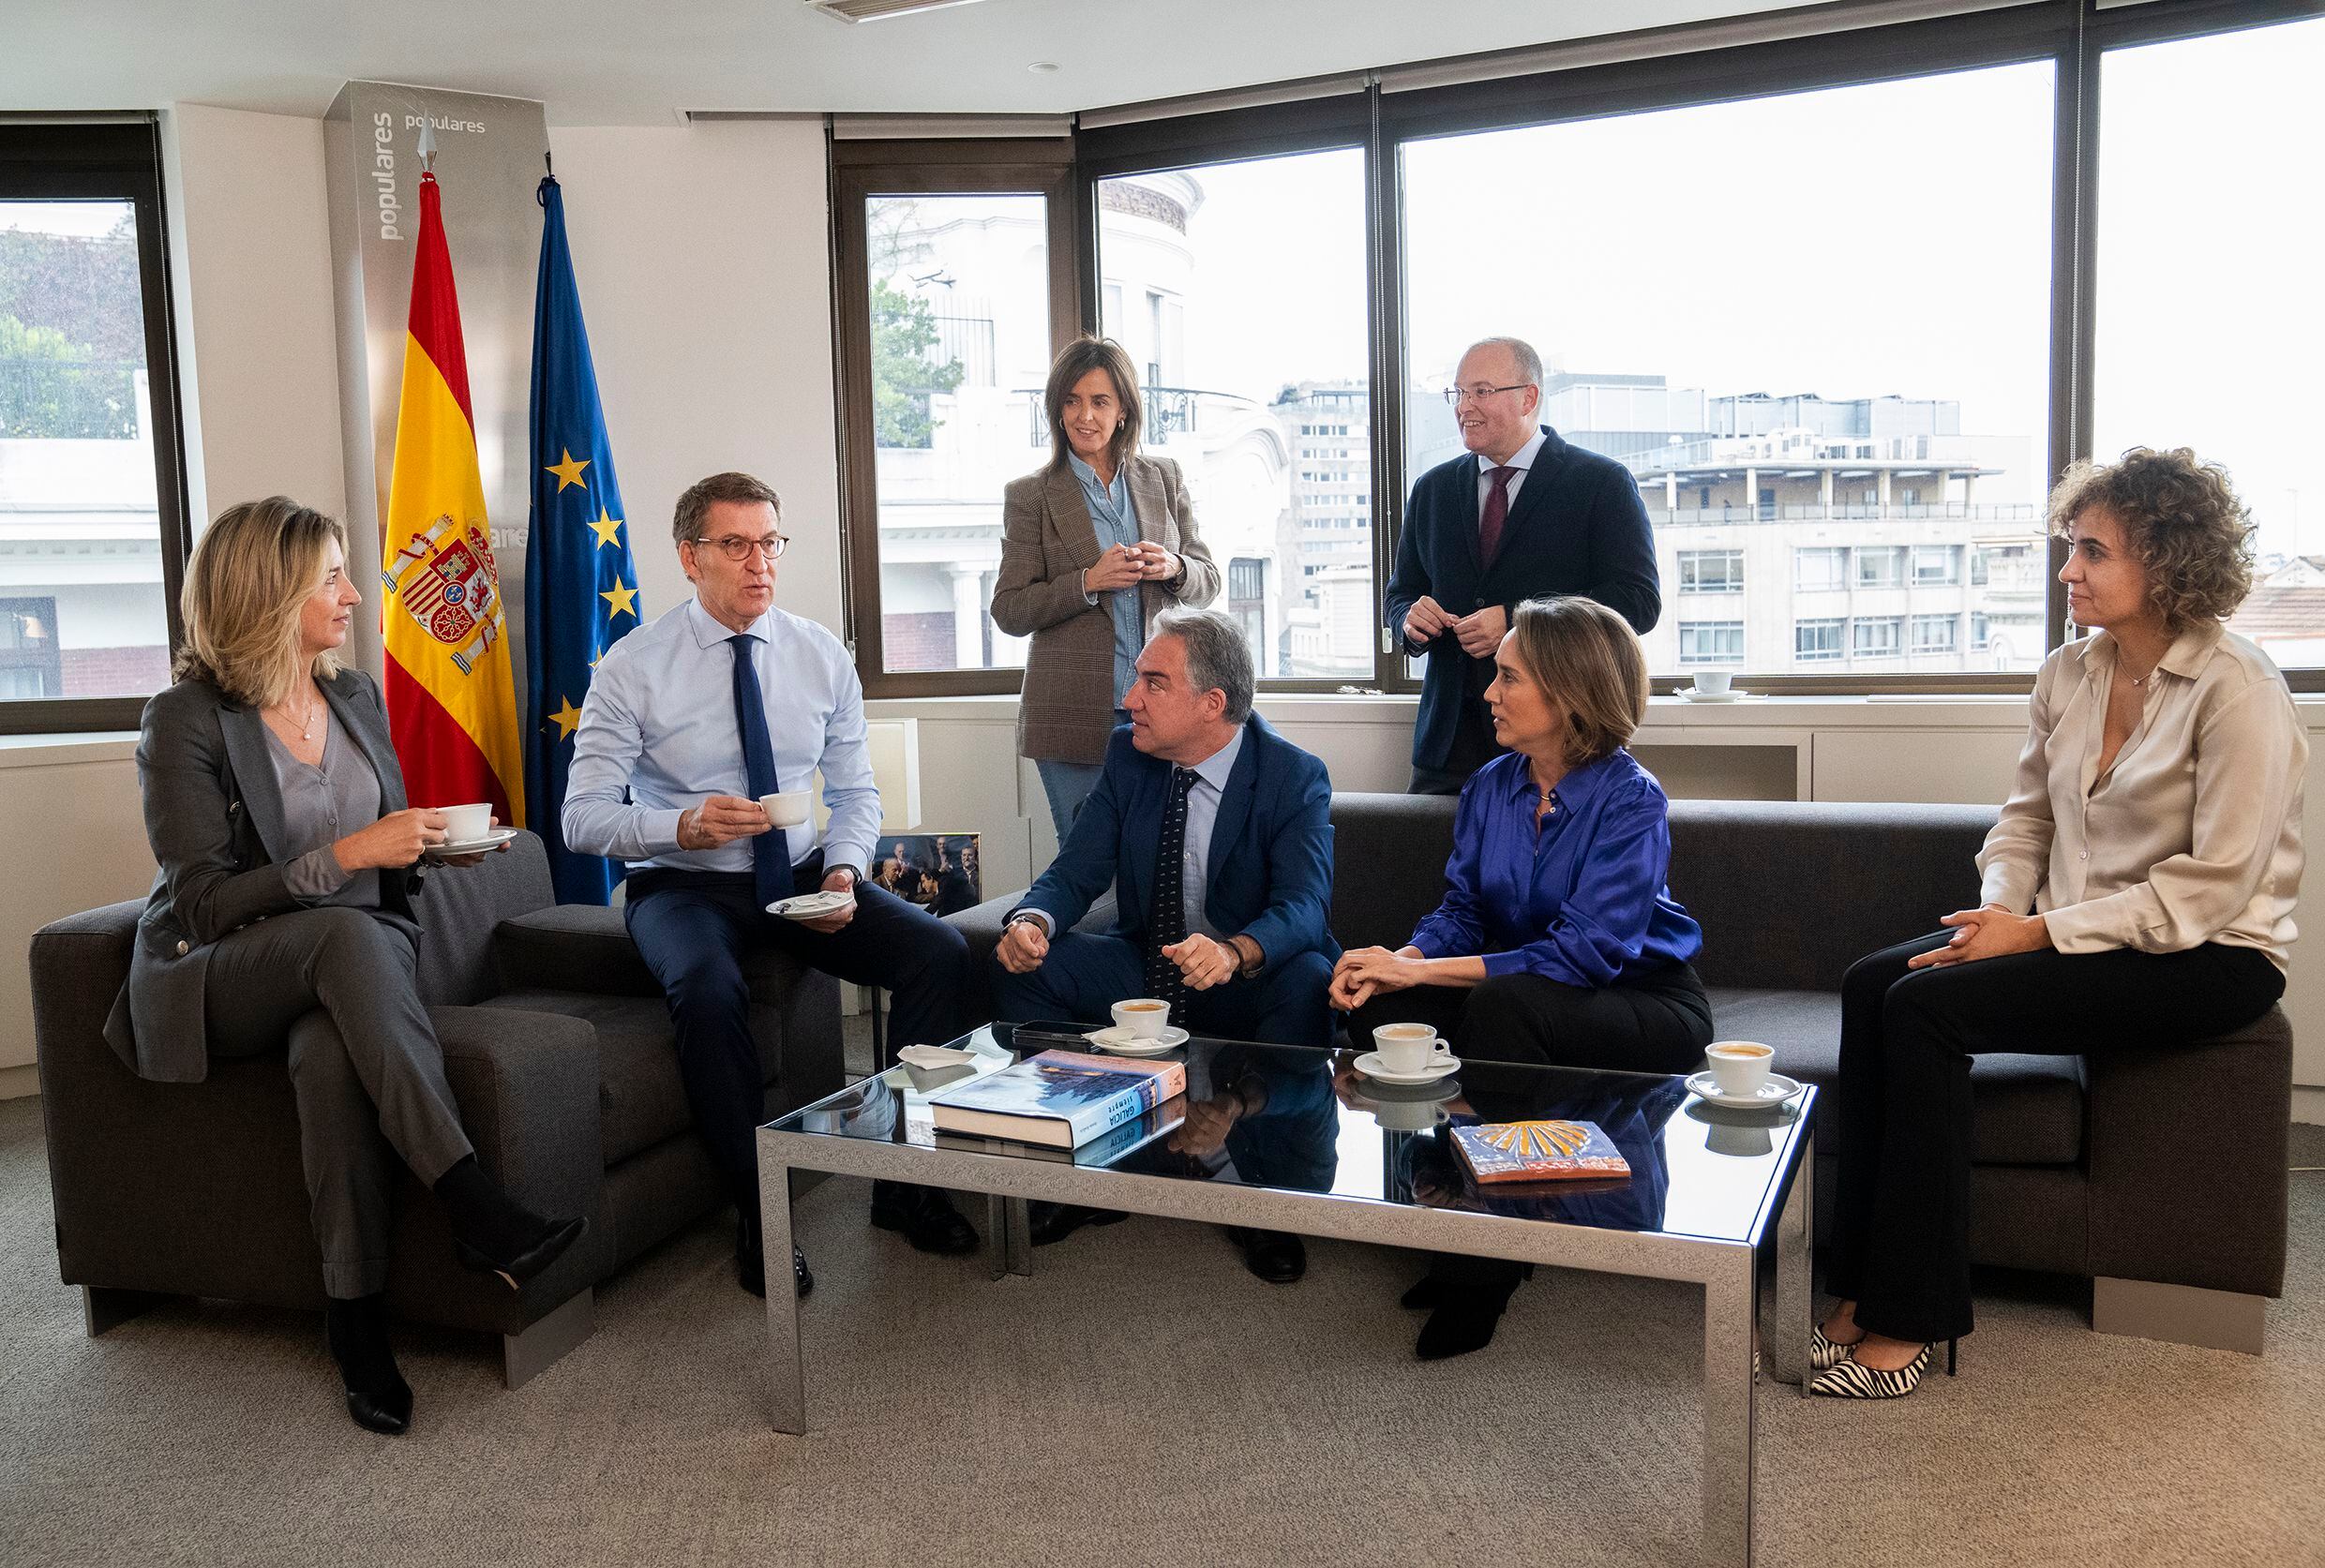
(1166, 918)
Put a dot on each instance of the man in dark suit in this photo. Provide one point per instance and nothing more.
(1525, 516)
(1215, 833)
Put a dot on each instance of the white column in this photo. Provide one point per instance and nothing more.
(968, 617)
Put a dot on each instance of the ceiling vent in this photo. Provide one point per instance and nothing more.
(877, 10)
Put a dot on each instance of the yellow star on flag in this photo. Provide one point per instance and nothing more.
(568, 472)
(567, 719)
(619, 599)
(607, 527)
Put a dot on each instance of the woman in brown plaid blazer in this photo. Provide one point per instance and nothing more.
(1093, 548)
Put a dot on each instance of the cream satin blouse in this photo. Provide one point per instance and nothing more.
(2193, 836)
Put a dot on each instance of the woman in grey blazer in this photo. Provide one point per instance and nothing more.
(1093, 548)
(283, 912)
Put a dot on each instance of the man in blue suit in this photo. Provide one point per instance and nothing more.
(1215, 833)
(1524, 516)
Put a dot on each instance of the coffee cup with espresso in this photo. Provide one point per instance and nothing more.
(1739, 1066)
(1408, 1047)
(1144, 1017)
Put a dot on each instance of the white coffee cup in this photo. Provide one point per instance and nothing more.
(1405, 1115)
(1408, 1047)
(1739, 1066)
(467, 824)
(1145, 1017)
(1714, 683)
(789, 809)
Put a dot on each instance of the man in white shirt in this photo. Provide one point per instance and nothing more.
(689, 721)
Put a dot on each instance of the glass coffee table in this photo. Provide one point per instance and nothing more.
(1285, 1138)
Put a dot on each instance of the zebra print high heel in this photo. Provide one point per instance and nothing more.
(1850, 1379)
(1824, 1354)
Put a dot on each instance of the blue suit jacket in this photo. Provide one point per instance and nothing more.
(1577, 526)
(1270, 862)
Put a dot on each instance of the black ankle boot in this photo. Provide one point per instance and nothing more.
(492, 1233)
(378, 1397)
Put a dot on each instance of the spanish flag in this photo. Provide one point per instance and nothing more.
(451, 690)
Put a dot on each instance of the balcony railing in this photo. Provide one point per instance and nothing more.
(1797, 448)
(1975, 512)
(1171, 411)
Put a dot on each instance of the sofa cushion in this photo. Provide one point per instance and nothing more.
(641, 1099)
(458, 907)
(2029, 1110)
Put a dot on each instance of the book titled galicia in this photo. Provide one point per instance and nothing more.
(1539, 1152)
(1062, 1099)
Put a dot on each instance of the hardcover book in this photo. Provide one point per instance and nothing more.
(1098, 1153)
(1539, 1152)
(1062, 1098)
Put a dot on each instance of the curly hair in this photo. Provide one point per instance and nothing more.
(2182, 519)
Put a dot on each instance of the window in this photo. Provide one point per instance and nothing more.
(2215, 346)
(1711, 642)
(1877, 637)
(1710, 571)
(1980, 630)
(1818, 568)
(1816, 642)
(1918, 389)
(953, 286)
(92, 510)
(1880, 566)
(1243, 359)
(1937, 565)
(1935, 634)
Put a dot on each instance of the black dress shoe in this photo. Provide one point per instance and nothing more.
(751, 1271)
(1471, 1293)
(1457, 1329)
(1423, 1294)
(924, 1215)
(1055, 1222)
(1272, 1255)
(378, 1399)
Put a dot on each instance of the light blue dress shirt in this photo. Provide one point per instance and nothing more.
(1115, 520)
(658, 737)
(1211, 788)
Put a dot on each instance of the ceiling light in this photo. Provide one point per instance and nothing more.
(877, 10)
(1043, 68)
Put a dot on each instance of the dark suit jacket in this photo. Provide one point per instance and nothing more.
(214, 815)
(1577, 526)
(1269, 866)
(1047, 542)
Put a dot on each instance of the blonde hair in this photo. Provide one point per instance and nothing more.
(1587, 658)
(252, 573)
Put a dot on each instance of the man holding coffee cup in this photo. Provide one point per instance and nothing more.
(1215, 834)
(700, 740)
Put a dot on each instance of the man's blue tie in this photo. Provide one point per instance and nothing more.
(771, 852)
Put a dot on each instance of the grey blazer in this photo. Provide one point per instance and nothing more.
(214, 815)
(1047, 542)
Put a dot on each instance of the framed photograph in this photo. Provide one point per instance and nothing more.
(938, 872)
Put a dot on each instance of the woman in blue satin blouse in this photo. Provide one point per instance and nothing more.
(1558, 941)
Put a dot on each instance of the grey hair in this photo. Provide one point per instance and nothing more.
(1217, 656)
(1529, 363)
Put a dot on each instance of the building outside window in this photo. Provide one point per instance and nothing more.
(1710, 571)
(1981, 632)
(1877, 637)
(1819, 641)
(1880, 566)
(1817, 569)
(1937, 565)
(1711, 642)
(1935, 634)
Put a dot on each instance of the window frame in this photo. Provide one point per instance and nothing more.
(861, 170)
(115, 159)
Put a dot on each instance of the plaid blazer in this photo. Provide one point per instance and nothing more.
(1047, 542)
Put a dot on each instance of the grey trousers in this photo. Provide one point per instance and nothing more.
(342, 985)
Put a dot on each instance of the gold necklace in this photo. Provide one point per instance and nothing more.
(314, 710)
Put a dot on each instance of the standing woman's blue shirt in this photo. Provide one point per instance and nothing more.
(1583, 900)
(1115, 518)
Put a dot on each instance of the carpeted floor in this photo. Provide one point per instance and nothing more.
(1141, 1399)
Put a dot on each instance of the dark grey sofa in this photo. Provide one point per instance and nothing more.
(558, 1048)
(2159, 1173)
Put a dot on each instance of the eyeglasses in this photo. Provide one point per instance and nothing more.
(1456, 395)
(734, 546)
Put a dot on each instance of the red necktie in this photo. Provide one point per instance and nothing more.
(1496, 514)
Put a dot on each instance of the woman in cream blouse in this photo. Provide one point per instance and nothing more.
(2138, 888)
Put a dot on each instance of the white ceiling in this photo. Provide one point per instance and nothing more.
(639, 62)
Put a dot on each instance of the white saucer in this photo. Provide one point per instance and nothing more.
(1119, 1041)
(1693, 695)
(493, 840)
(1370, 1064)
(1773, 1093)
(811, 906)
(932, 1058)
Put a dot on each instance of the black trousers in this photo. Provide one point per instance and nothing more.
(1660, 1022)
(1901, 1231)
(693, 927)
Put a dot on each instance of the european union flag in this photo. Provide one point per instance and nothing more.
(581, 579)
